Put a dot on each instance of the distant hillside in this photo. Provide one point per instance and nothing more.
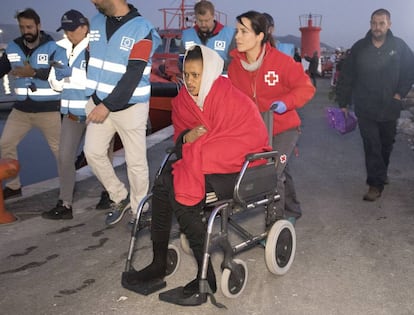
(10, 32)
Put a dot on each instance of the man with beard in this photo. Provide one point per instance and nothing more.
(27, 59)
(209, 32)
(121, 44)
(377, 73)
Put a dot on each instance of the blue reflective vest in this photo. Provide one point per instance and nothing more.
(33, 88)
(73, 97)
(109, 59)
(220, 42)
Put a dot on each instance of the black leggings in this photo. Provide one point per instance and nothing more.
(189, 217)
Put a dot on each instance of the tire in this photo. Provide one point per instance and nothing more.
(173, 260)
(185, 245)
(280, 247)
(231, 286)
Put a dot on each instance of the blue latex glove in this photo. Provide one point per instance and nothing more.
(278, 107)
(62, 71)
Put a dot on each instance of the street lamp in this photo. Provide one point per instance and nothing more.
(1, 36)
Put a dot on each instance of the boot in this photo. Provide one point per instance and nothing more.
(373, 194)
(155, 270)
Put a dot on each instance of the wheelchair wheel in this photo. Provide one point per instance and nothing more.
(233, 282)
(173, 260)
(280, 247)
(185, 245)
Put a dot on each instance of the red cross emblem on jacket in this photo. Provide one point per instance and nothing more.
(271, 78)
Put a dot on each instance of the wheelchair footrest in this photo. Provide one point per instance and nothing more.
(177, 296)
(142, 287)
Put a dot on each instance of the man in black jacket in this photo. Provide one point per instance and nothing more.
(377, 73)
(313, 66)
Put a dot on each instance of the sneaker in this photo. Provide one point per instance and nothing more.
(144, 221)
(105, 202)
(9, 193)
(373, 194)
(60, 212)
(118, 211)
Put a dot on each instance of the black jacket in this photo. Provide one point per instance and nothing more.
(371, 76)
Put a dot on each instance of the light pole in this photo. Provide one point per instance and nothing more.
(1, 36)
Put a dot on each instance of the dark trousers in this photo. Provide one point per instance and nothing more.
(378, 138)
(313, 78)
(285, 143)
(189, 217)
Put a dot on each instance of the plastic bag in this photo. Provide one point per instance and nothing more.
(336, 119)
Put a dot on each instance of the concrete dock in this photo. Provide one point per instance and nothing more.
(352, 257)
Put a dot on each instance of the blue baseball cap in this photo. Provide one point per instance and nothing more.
(71, 20)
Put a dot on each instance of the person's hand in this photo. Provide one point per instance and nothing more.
(62, 71)
(98, 114)
(278, 107)
(194, 134)
(24, 72)
(345, 111)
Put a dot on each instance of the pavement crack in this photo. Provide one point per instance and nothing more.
(66, 229)
(85, 284)
(102, 241)
(30, 265)
(100, 232)
(26, 252)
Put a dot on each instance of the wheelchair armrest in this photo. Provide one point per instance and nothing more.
(170, 150)
(261, 155)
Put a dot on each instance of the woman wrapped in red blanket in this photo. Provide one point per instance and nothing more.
(215, 127)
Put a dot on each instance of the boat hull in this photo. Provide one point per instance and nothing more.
(160, 104)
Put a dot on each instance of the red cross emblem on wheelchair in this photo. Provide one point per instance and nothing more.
(271, 78)
(283, 158)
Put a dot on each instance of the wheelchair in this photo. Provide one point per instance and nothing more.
(255, 188)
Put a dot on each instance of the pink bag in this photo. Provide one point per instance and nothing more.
(337, 120)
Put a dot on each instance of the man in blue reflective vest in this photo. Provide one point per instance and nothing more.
(121, 45)
(27, 59)
(209, 32)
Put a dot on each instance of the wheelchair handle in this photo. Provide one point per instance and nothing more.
(262, 155)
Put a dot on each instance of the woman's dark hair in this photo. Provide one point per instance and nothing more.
(194, 53)
(30, 14)
(270, 28)
(259, 23)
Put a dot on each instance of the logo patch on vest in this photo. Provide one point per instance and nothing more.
(271, 78)
(189, 44)
(219, 45)
(283, 158)
(127, 43)
(42, 59)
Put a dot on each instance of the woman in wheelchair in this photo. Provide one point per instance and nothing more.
(215, 127)
(277, 83)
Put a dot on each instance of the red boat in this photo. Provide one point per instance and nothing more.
(166, 74)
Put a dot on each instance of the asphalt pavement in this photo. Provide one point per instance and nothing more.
(352, 256)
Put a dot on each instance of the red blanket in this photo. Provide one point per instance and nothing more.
(234, 129)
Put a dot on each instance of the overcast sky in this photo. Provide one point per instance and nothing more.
(343, 21)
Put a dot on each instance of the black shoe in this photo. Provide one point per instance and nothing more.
(105, 202)
(9, 193)
(373, 194)
(60, 212)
